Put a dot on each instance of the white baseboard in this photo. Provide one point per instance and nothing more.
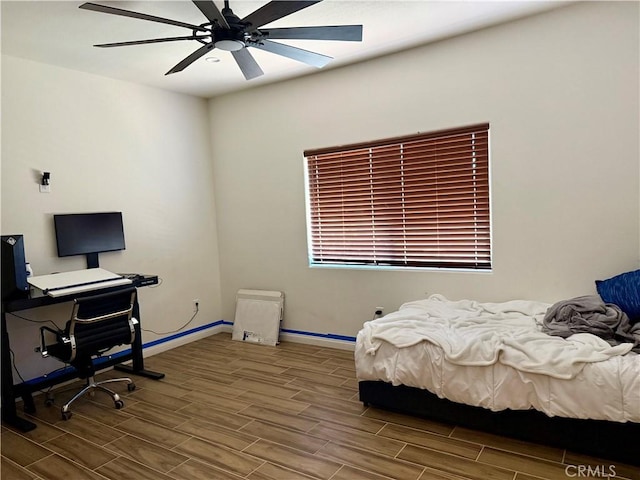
(177, 342)
(227, 328)
(318, 341)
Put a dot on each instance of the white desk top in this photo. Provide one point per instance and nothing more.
(66, 283)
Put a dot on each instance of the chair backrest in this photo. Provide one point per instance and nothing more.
(101, 322)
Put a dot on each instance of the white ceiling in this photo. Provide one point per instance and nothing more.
(59, 33)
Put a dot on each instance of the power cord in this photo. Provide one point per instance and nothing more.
(175, 331)
(35, 321)
(15, 369)
(13, 364)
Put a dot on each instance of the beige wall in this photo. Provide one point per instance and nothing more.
(213, 196)
(111, 145)
(560, 91)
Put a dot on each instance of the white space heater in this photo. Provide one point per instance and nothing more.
(258, 316)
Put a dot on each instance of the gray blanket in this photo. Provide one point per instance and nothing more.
(589, 314)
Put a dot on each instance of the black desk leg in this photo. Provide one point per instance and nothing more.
(9, 411)
(137, 366)
(27, 400)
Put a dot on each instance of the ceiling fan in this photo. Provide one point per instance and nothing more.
(225, 31)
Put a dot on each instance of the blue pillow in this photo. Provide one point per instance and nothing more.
(624, 291)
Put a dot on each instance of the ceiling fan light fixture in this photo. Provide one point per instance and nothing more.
(229, 45)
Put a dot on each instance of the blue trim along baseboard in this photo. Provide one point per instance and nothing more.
(183, 334)
(122, 353)
(98, 361)
(64, 370)
(331, 336)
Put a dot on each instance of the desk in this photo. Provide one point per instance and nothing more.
(10, 391)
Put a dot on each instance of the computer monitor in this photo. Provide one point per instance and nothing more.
(89, 234)
(14, 267)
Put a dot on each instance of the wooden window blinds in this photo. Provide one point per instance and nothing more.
(414, 201)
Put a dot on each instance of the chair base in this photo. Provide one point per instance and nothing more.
(91, 387)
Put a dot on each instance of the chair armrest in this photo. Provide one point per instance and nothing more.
(59, 338)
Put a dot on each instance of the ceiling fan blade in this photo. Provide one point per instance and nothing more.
(304, 56)
(153, 40)
(274, 10)
(191, 58)
(211, 11)
(248, 65)
(348, 33)
(142, 16)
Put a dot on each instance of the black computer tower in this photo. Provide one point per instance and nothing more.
(14, 268)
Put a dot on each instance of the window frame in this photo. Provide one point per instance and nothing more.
(476, 135)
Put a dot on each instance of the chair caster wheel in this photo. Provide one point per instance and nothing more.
(119, 404)
(131, 387)
(66, 415)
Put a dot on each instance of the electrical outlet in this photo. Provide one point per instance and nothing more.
(196, 304)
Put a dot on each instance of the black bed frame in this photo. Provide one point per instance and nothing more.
(605, 440)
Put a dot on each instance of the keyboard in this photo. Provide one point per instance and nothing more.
(140, 280)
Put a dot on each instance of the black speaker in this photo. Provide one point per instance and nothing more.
(14, 268)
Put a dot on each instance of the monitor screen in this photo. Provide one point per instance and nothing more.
(89, 234)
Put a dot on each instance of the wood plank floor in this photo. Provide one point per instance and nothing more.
(229, 410)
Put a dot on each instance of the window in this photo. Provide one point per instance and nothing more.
(414, 201)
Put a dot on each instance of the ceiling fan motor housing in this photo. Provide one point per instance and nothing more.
(233, 38)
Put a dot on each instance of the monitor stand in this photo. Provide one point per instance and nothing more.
(92, 260)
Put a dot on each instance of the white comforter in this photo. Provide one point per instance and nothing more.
(480, 334)
(494, 355)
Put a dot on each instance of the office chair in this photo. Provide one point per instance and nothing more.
(98, 323)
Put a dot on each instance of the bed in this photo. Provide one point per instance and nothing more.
(495, 367)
